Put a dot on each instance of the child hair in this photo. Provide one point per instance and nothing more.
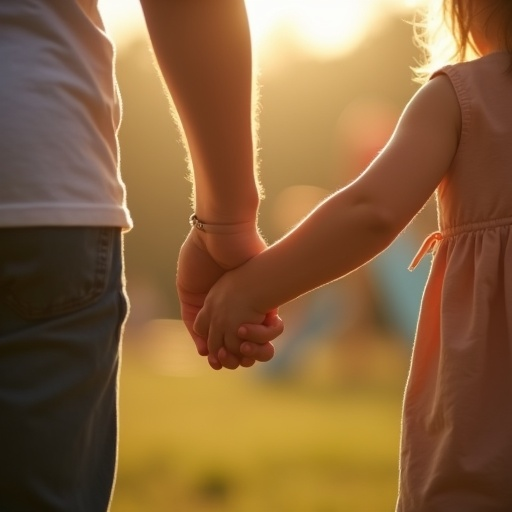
(443, 31)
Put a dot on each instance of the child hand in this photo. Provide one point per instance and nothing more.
(219, 321)
(254, 343)
(254, 336)
(203, 259)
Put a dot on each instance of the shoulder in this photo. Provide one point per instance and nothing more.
(479, 85)
(436, 105)
(469, 78)
(438, 93)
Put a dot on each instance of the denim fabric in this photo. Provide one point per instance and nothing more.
(62, 307)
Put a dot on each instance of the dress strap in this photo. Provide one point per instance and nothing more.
(429, 245)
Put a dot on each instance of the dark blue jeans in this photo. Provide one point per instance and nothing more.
(62, 308)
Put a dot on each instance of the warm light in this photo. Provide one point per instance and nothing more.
(321, 28)
(329, 27)
(264, 16)
(413, 4)
(123, 18)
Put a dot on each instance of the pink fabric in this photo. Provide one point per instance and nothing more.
(457, 420)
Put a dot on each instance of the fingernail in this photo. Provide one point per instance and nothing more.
(214, 363)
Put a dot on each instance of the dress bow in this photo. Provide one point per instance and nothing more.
(429, 245)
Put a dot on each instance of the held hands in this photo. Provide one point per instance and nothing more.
(204, 258)
(232, 321)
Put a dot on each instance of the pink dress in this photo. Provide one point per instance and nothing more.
(456, 453)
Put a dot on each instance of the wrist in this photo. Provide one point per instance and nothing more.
(227, 228)
(239, 206)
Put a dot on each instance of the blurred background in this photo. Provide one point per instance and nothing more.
(316, 429)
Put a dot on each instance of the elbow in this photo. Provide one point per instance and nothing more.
(376, 222)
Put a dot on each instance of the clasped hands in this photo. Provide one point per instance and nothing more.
(204, 259)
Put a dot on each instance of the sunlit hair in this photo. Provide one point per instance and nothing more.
(443, 31)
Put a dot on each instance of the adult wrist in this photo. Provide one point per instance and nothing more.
(232, 207)
(219, 228)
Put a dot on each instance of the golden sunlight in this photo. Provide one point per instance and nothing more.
(123, 18)
(321, 28)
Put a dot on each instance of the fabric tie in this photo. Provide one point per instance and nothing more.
(429, 245)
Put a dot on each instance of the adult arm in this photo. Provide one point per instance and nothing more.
(204, 53)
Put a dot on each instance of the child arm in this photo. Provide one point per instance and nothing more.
(350, 227)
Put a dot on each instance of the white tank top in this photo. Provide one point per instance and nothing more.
(59, 116)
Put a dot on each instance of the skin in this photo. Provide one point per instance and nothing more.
(203, 50)
(204, 54)
(349, 228)
(365, 216)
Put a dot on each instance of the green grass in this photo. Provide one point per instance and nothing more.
(194, 440)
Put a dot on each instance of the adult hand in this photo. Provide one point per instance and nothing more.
(203, 259)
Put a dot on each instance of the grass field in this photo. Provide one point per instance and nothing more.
(194, 440)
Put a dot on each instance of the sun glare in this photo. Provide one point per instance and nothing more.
(326, 27)
(321, 28)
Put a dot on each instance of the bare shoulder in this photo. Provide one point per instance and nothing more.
(435, 106)
(420, 151)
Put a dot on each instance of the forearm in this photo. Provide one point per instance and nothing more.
(204, 52)
(341, 235)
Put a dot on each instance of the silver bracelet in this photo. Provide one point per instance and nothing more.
(215, 228)
(196, 223)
